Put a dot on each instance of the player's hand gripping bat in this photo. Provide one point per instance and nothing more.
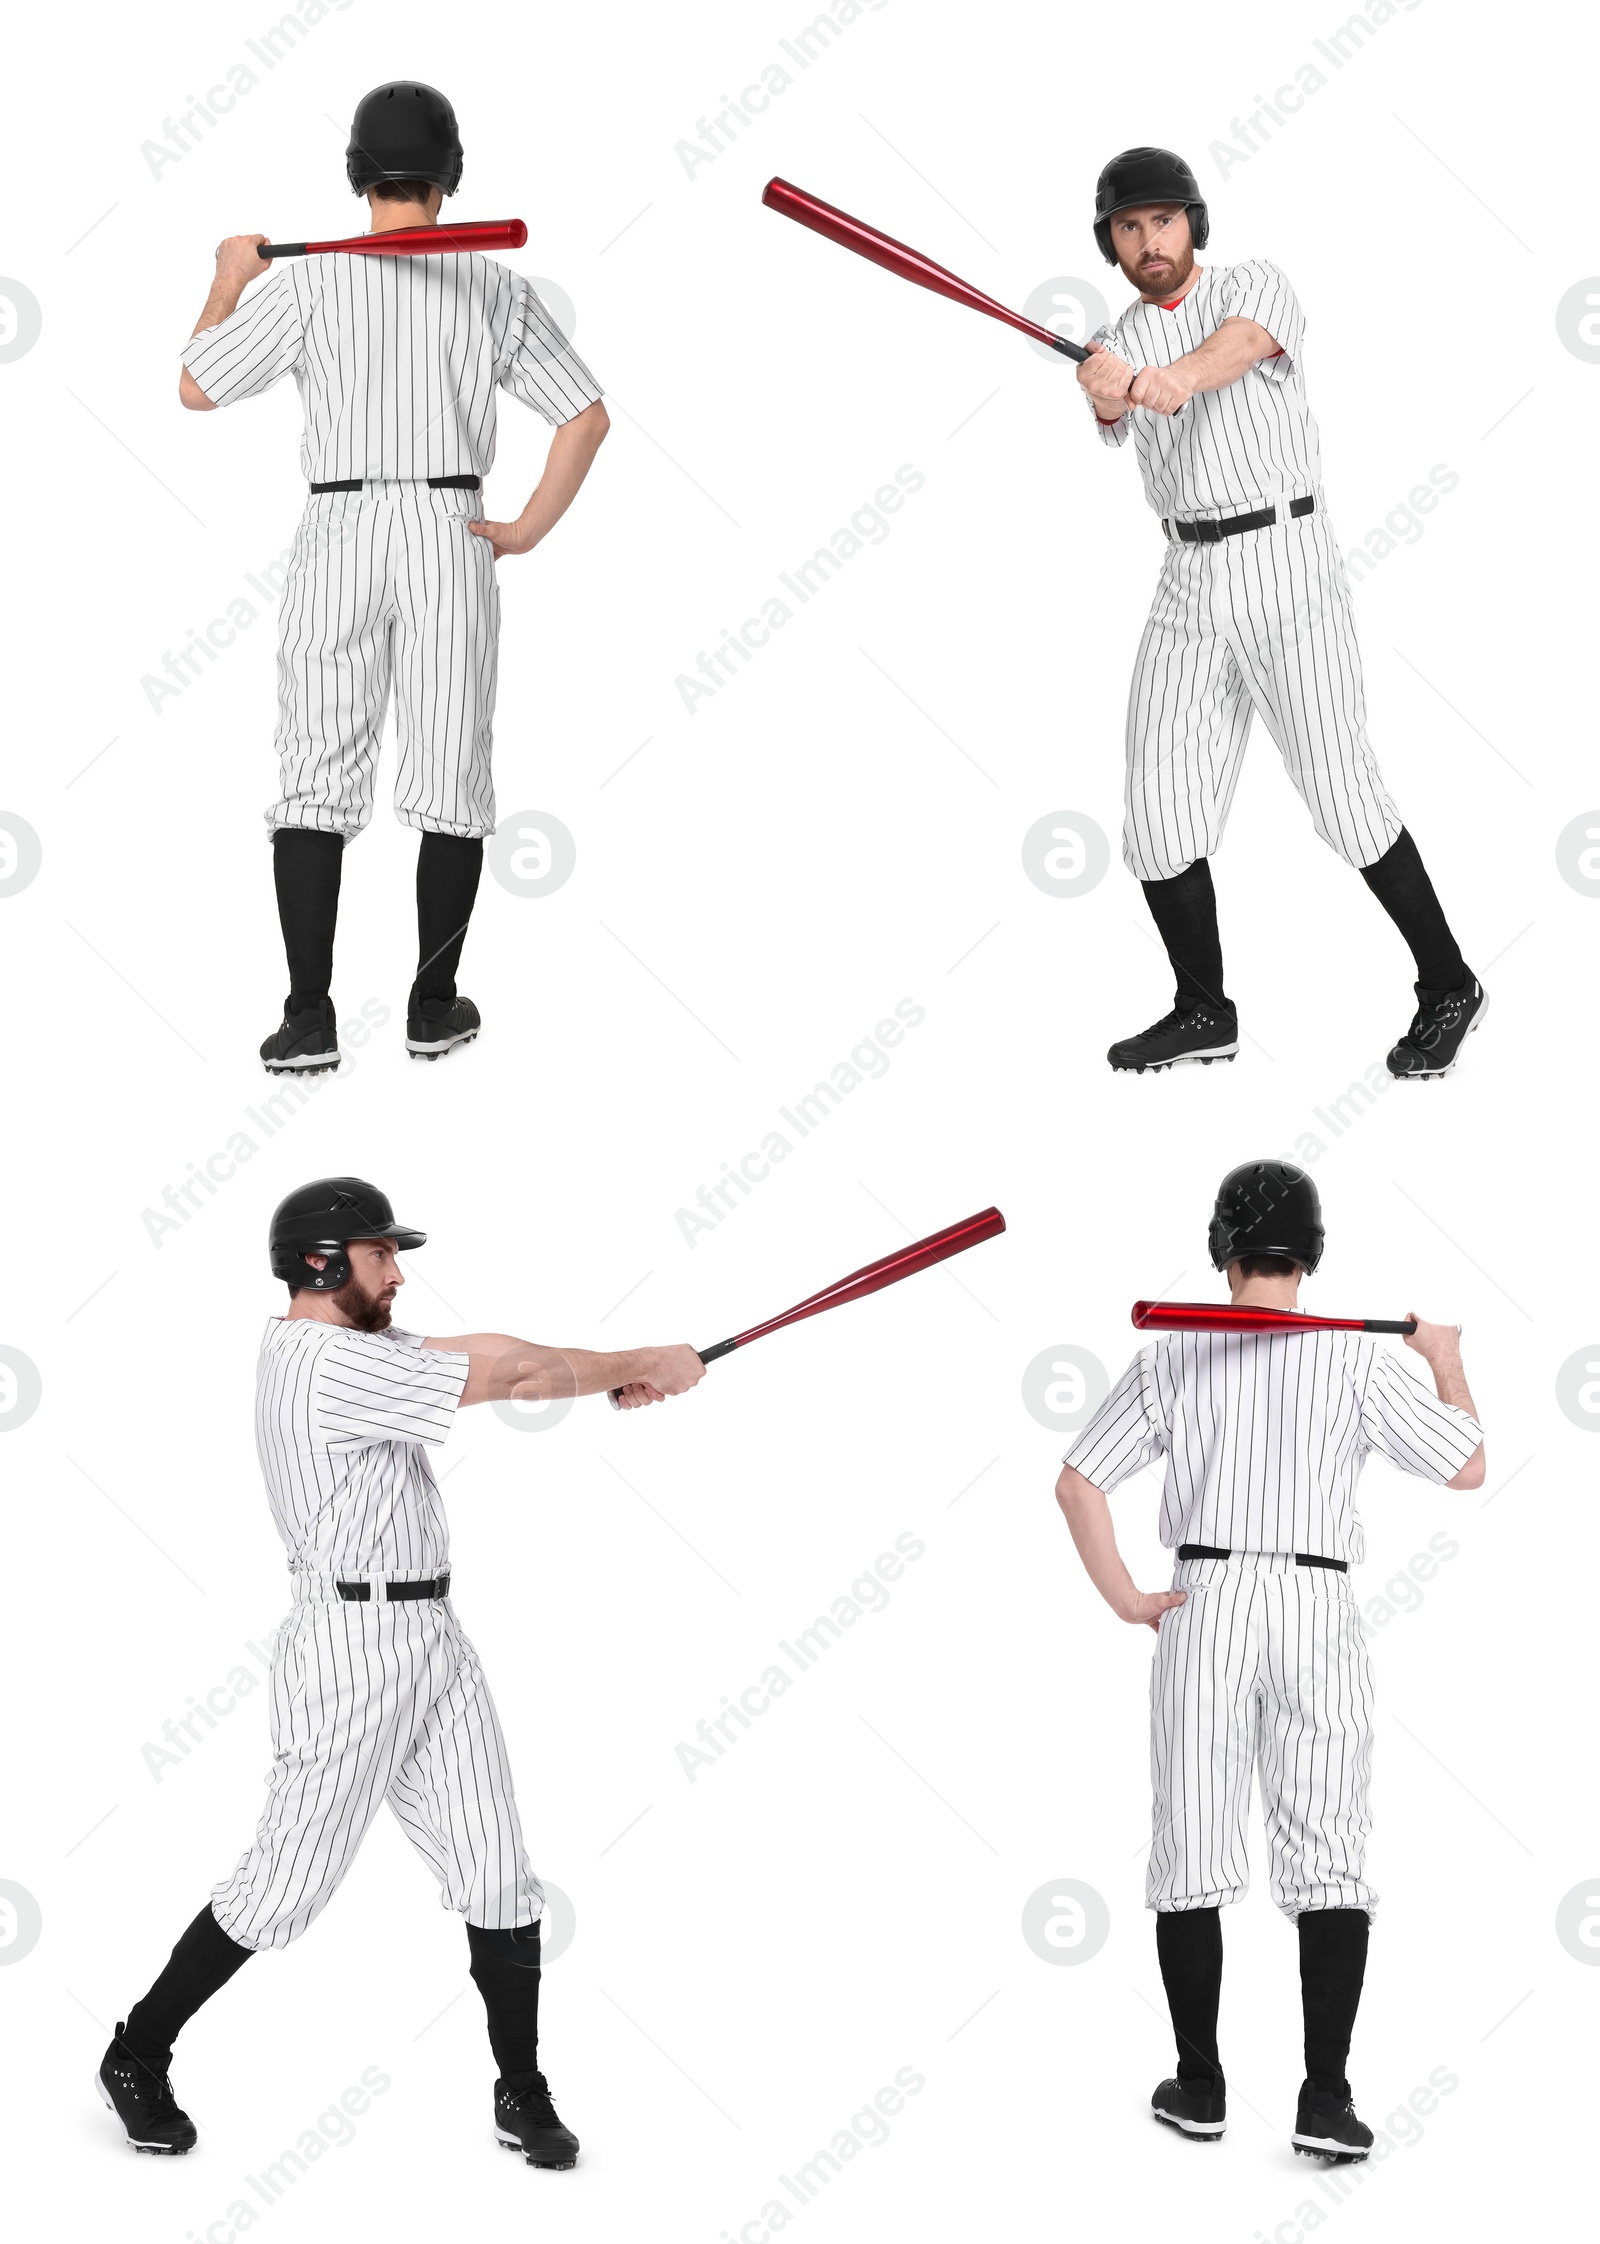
(412, 241)
(852, 233)
(904, 1263)
(1228, 1316)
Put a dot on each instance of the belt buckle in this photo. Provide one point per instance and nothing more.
(1208, 531)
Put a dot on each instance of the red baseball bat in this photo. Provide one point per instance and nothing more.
(412, 241)
(895, 257)
(904, 1263)
(1228, 1316)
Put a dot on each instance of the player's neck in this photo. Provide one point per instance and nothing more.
(1264, 1293)
(387, 218)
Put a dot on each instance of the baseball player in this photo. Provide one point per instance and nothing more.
(377, 1694)
(1259, 1650)
(1205, 372)
(399, 362)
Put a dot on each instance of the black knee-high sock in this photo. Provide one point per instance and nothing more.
(306, 867)
(1400, 882)
(204, 1960)
(1333, 1964)
(1189, 1944)
(448, 866)
(506, 1968)
(1185, 912)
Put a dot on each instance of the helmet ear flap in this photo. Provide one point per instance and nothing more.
(1199, 225)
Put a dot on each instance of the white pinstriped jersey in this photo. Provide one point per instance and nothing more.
(1265, 1436)
(344, 1422)
(1230, 449)
(399, 360)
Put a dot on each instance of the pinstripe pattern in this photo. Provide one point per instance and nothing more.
(374, 1702)
(1261, 621)
(1257, 622)
(344, 1422)
(398, 360)
(388, 585)
(1265, 1435)
(1265, 1663)
(1229, 450)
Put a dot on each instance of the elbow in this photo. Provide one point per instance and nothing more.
(1472, 1473)
(601, 422)
(1069, 1489)
(191, 395)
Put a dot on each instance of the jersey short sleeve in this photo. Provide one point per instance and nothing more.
(1125, 1433)
(1257, 290)
(254, 346)
(539, 365)
(385, 1386)
(1409, 1426)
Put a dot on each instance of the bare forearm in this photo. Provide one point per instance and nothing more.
(1439, 1347)
(506, 1369)
(1088, 1515)
(1236, 346)
(571, 455)
(221, 304)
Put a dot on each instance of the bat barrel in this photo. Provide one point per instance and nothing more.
(412, 241)
(1230, 1316)
(905, 1262)
(896, 257)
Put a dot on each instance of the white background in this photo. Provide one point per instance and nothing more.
(839, 829)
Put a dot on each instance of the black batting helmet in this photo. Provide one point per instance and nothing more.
(323, 1218)
(404, 131)
(1267, 1207)
(1147, 175)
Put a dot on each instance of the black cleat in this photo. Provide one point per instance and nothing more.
(1202, 1031)
(1326, 2126)
(525, 2120)
(1445, 1019)
(306, 1043)
(144, 2102)
(436, 1025)
(1199, 2112)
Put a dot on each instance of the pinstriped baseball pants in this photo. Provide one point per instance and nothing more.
(1261, 621)
(387, 586)
(1266, 1664)
(375, 1702)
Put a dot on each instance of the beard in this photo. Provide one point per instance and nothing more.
(368, 1312)
(1165, 281)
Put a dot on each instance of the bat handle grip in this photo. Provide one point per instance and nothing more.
(1069, 350)
(1387, 1324)
(706, 1355)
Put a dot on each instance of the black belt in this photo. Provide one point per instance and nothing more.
(435, 483)
(1301, 1558)
(1210, 530)
(359, 1593)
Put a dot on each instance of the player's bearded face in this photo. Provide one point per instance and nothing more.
(1161, 265)
(367, 1310)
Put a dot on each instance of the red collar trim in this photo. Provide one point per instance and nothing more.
(1176, 301)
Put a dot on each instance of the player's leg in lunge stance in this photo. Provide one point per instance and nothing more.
(1292, 629)
(132, 2079)
(371, 1699)
(1188, 719)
